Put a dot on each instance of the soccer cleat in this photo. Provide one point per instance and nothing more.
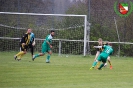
(91, 68)
(15, 57)
(47, 61)
(100, 69)
(33, 57)
(111, 67)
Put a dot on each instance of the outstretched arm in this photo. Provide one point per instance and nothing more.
(97, 54)
(97, 46)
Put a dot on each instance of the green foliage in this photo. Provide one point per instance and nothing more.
(71, 34)
(79, 9)
(125, 50)
(98, 31)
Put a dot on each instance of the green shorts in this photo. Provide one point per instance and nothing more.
(45, 48)
(102, 58)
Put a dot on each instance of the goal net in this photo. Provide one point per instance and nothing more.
(70, 31)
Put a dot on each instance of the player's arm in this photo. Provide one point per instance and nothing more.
(23, 39)
(33, 43)
(103, 46)
(98, 46)
(98, 51)
(48, 42)
(97, 54)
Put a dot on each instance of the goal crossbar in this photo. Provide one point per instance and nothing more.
(16, 13)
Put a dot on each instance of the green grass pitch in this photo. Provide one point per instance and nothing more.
(63, 72)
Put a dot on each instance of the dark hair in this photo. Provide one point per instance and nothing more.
(52, 31)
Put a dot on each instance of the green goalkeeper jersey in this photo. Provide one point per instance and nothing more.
(107, 50)
(48, 39)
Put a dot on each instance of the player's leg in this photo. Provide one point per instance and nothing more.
(98, 64)
(104, 61)
(21, 53)
(31, 49)
(109, 62)
(48, 56)
(24, 50)
(95, 62)
(101, 65)
(20, 56)
(44, 49)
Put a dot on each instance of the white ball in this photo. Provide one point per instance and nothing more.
(66, 55)
(105, 64)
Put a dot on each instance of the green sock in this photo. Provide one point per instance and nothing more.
(94, 64)
(37, 55)
(101, 66)
(48, 57)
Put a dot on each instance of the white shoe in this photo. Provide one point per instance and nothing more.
(47, 61)
(15, 57)
(33, 57)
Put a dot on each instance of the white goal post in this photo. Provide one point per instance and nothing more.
(84, 25)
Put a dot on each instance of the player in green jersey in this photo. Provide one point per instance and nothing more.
(99, 50)
(46, 47)
(107, 51)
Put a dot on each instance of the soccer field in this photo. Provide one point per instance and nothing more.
(63, 72)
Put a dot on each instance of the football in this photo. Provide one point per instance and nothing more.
(105, 64)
